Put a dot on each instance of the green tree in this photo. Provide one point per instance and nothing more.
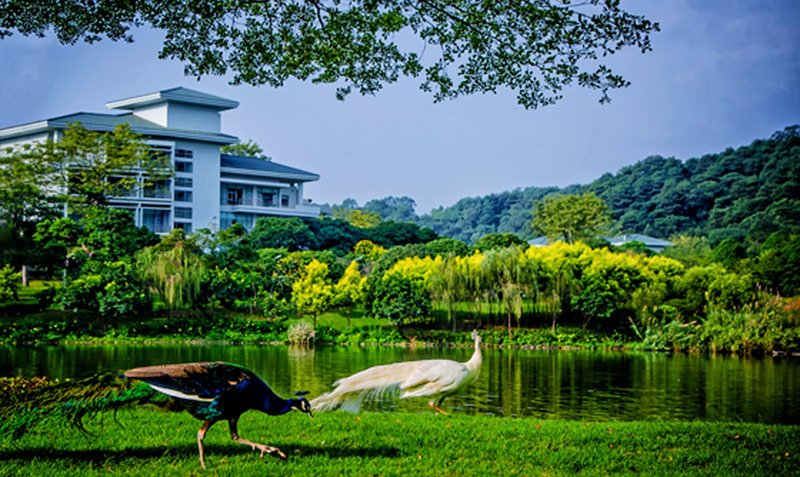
(111, 289)
(25, 201)
(247, 148)
(693, 287)
(778, 263)
(399, 298)
(559, 267)
(571, 217)
(447, 285)
(335, 234)
(533, 48)
(729, 253)
(505, 271)
(99, 247)
(446, 246)
(607, 285)
(9, 283)
(498, 240)
(691, 251)
(399, 209)
(174, 269)
(95, 166)
(279, 232)
(390, 233)
(99, 235)
(313, 292)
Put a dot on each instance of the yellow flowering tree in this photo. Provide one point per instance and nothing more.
(313, 292)
(351, 288)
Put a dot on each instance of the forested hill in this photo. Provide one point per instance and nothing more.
(750, 192)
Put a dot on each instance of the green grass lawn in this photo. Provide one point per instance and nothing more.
(153, 443)
(339, 319)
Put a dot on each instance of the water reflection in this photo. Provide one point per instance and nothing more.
(541, 384)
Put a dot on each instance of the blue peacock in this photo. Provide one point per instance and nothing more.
(210, 391)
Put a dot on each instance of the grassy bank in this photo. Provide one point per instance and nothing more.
(153, 442)
(60, 327)
(751, 331)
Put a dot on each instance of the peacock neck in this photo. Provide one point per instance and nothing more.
(475, 361)
(277, 407)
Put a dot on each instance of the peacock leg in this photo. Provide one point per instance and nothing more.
(232, 423)
(201, 434)
(435, 407)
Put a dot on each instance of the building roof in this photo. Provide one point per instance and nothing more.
(265, 167)
(175, 95)
(538, 241)
(650, 242)
(107, 122)
(645, 239)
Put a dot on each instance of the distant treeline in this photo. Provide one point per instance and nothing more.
(747, 192)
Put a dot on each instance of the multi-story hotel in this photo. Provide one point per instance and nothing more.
(209, 189)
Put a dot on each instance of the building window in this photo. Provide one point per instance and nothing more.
(226, 219)
(185, 226)
(235, 195)
(267, 197)
(184, 166)
(120, 190)
(183, 213)
(157, 189)
(156, 220)
(160, 152)
(183, 196)
(183, 182)
(284, 201)
(184, 153)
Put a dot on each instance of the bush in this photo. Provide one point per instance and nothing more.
(731, 291)
(9, 283)
(753, 329)
(301, 333)
(110, 289)
(398, 298)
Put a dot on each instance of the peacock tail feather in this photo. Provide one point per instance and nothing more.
(26, 403)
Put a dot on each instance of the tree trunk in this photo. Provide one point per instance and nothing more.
(25, 275)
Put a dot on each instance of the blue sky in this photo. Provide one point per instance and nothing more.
(722, 73)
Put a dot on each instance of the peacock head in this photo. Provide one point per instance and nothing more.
(476, 337)
(301, 403)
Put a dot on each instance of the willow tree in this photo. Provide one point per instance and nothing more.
(506, 270)
(535, 48)
(447, 284)
(559, 266)
(174, 274)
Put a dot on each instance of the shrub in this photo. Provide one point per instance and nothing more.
(110, 289)
(9, 282)
(731, 291)
(301, 333)
(398, 298)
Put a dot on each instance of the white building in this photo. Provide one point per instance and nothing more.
(209, 189)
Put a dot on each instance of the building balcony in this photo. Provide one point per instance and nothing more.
(305, 210)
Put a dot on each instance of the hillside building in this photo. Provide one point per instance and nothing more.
(209, 189)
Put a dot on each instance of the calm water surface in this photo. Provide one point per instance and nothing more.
(588, 385)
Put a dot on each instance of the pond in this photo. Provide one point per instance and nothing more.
(583, 385)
